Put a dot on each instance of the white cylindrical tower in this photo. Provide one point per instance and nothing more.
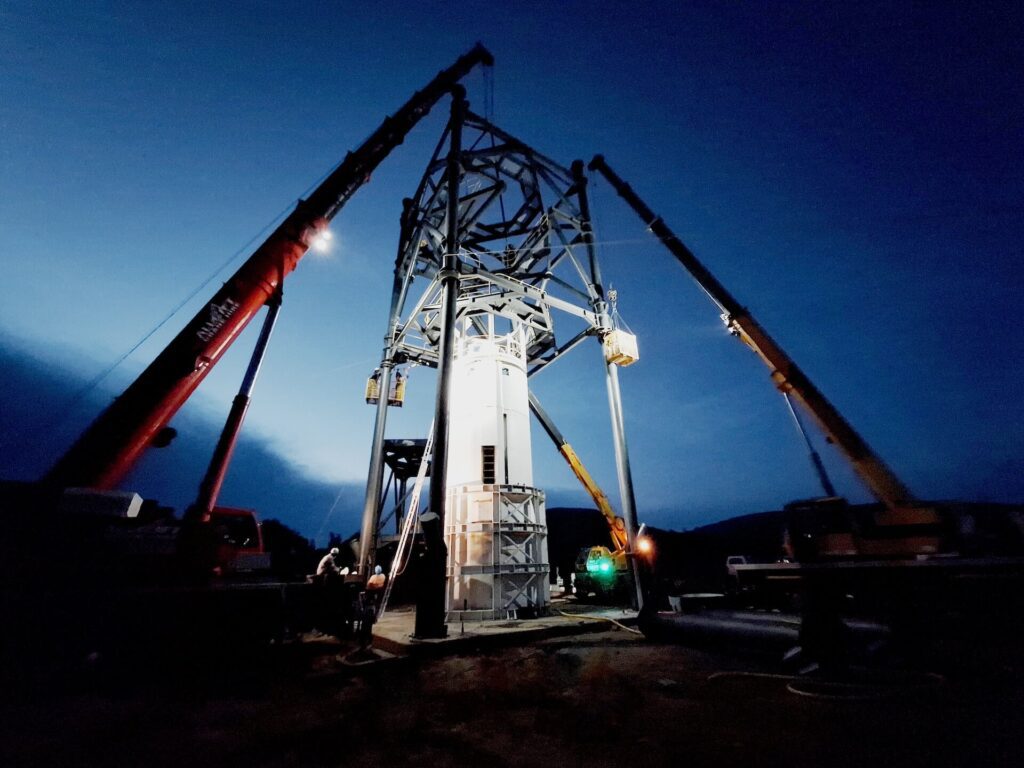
(489, 418)
(494, 519)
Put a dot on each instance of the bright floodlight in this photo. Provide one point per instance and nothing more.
(644, 545)
(322, 241)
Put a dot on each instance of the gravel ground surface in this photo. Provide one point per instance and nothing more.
(608, 698)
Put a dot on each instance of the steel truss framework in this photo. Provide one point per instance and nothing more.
(522, 250)
(523, 247)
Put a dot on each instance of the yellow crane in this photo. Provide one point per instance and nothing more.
(598, 568)
(905, 526)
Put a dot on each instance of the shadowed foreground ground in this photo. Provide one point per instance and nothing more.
(610, 698)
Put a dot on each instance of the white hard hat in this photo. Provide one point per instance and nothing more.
(377, 569)
(335, 551)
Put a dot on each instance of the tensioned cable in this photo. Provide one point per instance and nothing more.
(243, 249)
(330, 512)
(488, 76)
(489, 115)
(64, 410)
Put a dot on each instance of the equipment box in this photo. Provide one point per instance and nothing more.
(620, 348)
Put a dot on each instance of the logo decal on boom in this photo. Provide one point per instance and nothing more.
(219, 314)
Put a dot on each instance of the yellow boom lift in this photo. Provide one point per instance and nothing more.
(598, 569)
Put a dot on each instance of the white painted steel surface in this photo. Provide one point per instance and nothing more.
(497, 552)
(489, 407)
(495, 526)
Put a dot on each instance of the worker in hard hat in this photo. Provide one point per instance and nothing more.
(330, 594)
(367, 605)
(377, 581)
(328, 566)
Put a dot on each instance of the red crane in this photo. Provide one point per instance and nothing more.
(112, 444)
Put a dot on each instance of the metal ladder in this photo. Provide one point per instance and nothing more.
(409, 524)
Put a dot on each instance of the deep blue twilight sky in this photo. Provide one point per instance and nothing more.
(852, 173)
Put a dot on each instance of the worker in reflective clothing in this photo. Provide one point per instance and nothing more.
(376, 582)
(367, 606)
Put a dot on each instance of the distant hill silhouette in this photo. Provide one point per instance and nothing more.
(36, 426)
(697, 558)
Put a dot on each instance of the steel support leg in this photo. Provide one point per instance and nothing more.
(371, 504)
(430, 605)
(400, 505)
(627, 497)
(625, 477)
(209, 489)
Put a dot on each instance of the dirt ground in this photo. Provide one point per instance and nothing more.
(600, 699)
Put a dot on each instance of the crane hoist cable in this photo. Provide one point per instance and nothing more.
(243, 249)
(61, 413)
(327, 516)
(616, 318)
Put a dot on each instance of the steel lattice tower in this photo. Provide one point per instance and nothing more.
(513, 246)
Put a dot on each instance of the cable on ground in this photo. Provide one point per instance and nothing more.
(610, 620)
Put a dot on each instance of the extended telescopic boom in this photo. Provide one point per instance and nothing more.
(616, 525)
(115, 441)
(785, 373)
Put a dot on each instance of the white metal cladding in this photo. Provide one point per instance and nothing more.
(524, 251)
(497, 551)
(489, 406)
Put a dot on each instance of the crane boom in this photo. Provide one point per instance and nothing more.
(108, 449)
(786, 374)
(616, 525)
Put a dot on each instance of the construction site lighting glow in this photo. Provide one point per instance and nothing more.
(322, 241)
(644, 545)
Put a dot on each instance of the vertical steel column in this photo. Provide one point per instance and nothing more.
(430, 604)
(625, 476)
(210, 487)
(371, 502)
